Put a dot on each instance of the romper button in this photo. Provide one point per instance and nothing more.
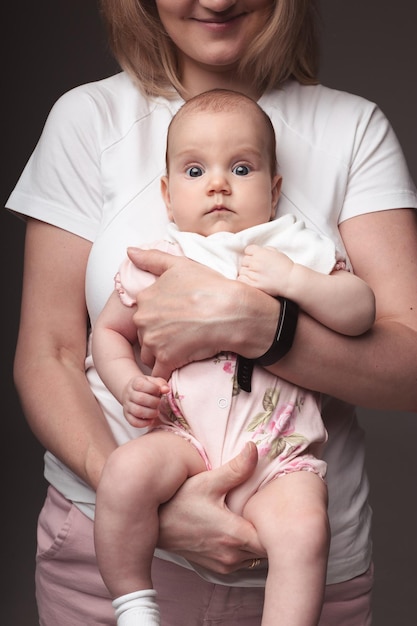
(222, 402)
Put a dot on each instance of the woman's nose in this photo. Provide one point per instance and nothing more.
(217, 6)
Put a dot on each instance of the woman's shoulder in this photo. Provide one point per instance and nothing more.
(293, 96)
(111, 105)
(309, 107)
(322, 116)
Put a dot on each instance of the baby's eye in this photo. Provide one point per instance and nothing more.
(194, 171)
(241, 170)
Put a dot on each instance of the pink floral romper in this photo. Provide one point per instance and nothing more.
(207, 407)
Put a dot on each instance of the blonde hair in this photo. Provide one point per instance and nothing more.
(227, 101)
(286, 48)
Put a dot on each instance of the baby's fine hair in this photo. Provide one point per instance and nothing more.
(227, 101)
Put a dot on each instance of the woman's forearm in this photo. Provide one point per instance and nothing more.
(376, 370)
(51, 348)
(63, 414)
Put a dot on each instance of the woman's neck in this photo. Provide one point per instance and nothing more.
(198, 79)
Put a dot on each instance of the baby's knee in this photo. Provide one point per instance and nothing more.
(119, 474)
(310, 531)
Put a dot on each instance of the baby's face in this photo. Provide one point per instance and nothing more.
(219, 173)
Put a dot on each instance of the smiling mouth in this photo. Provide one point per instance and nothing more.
(219, 20)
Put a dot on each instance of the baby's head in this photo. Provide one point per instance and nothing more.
(244, 111)
(221, 167)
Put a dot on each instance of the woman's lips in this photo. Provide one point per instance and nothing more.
(219, 23)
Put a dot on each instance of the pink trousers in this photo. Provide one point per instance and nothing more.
(70, 591)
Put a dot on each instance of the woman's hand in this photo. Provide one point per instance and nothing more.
(197, 524)
(192, 312)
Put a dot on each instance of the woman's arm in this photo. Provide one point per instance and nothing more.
(378, 369)
(200, 313)
(51, 348)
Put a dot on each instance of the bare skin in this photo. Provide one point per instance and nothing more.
(49, 356)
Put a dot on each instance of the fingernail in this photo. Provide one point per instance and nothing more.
(246, 451)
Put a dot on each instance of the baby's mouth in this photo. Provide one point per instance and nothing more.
(219, 208)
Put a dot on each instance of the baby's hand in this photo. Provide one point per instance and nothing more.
(266, 268)
(141, 400)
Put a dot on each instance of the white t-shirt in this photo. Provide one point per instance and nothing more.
(96, 173)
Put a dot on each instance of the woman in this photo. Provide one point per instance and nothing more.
(93, 184)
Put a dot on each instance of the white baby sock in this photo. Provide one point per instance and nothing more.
(137, 609)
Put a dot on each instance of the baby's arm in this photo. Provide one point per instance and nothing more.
(340, 300)
(114, 336)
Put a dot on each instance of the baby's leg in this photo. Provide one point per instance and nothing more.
(290, 515)
(137, 478)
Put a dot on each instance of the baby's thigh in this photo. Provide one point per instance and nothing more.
(158, 458)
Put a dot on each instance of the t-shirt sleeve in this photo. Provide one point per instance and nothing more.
(379, 177)
(60, 184)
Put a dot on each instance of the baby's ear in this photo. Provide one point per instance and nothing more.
(275, 193)
(165, 195)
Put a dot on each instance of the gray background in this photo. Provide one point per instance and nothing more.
(369, 47)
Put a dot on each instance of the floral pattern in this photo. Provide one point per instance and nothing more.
(273, 427)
